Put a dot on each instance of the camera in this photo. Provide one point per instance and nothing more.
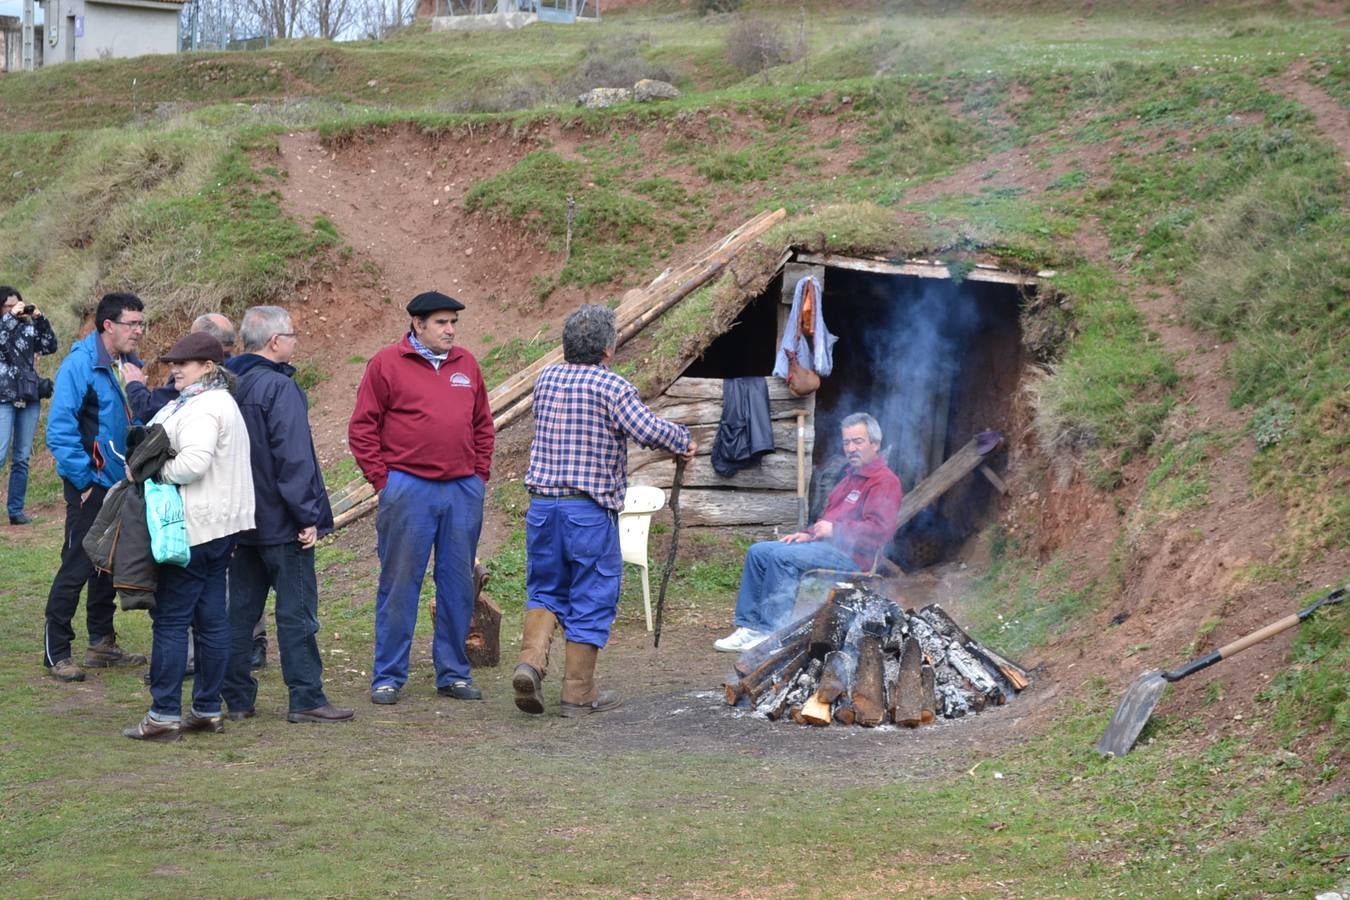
(28, 309)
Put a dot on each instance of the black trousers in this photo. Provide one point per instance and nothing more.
(76, 571)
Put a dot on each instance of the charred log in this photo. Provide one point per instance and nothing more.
(786, 672)
(868, 690)
(906, 694)
(928, 712)
(833, 620)
(981, 681)
(836, 677)
(944, 624)
(789, 638)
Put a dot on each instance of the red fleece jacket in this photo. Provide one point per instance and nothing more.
(431, 423)
(863, 508)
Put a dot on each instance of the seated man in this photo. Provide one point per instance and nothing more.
(858, 521)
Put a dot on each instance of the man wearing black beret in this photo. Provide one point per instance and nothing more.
(422, 434)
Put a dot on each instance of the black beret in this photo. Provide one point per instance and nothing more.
(428, 302)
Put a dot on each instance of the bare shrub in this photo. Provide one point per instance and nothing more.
(614, 63)
(755, 44)
(516, 92)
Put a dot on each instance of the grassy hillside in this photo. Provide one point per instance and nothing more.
(1139, 155)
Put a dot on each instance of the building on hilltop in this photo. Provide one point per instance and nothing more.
(108, 29)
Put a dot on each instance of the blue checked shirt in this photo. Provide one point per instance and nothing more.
(582, 414)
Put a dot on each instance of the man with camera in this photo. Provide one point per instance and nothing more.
(24, 332)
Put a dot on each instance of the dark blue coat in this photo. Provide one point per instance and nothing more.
(288, 486)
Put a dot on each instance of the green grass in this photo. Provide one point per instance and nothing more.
(595, 814)
(1180, 481)
(181, 216)
(1111, 390)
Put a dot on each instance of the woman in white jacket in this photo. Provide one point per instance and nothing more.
(211, 466)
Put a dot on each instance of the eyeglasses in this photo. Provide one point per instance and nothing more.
(289, 334)
(134, 325)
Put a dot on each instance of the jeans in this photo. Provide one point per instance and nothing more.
(574, 566)
(416, 517)
(75, 573)
(191, 595)
(17, 428)
(769, 579)
(254, 571)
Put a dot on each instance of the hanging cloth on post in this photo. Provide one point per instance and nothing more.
(807, 350)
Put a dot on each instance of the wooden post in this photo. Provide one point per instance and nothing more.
(801, 468)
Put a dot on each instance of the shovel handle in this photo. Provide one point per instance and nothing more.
(1255, 637)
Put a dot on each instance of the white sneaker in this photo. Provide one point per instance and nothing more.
(740, 639)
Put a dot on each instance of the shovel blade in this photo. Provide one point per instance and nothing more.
(1132, 714)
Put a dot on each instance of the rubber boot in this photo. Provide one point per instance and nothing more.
(579, 696)
(527, 680)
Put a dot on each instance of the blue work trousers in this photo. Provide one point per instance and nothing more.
(18, 426)
(769, 579)
(289, 568)
(416, 517)
(574, 566)
(191, 595)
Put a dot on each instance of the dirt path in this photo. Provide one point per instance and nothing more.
(397, 203)
(1333, 119)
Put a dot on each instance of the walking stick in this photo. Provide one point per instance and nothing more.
(674, 548)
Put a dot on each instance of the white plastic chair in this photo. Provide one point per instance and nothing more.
(640, 504)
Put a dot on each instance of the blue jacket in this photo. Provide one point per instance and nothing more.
(287, 484)
(89, 416)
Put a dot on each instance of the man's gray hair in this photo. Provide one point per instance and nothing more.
(588, 333)
(873, 426)
(261, 324)
(207, 324)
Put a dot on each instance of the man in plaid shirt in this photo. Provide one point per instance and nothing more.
(583, 414)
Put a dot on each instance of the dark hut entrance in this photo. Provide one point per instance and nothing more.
(935, 360)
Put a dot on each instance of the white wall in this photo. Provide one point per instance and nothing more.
(110, 31)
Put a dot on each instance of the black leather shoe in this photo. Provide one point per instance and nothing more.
(239, 715)
(460, 690)
(20, 519)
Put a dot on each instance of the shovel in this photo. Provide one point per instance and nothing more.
(1137, 704)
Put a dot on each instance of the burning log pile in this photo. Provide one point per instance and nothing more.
(861, 659)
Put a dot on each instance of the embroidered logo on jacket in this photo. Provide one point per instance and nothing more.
(459, 379)
(853, 496)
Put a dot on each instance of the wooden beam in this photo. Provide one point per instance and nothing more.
(961, 463)
(917, 269)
